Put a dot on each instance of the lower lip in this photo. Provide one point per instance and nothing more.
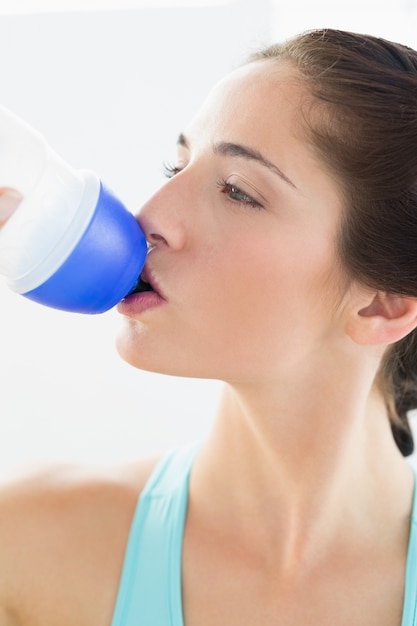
(138, 303)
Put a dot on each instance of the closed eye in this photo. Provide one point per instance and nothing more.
(170, 170)
(232, 192)
(236, 195)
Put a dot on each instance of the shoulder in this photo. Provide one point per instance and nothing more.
(63, 533)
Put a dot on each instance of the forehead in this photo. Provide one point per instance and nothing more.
(260, 106)
(260, 101)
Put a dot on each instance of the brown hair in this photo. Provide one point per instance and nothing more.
(366, 90)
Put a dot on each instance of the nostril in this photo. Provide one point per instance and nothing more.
(155, 239)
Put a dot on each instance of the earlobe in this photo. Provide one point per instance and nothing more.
(387, 318)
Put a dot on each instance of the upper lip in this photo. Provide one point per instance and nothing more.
(149, 278)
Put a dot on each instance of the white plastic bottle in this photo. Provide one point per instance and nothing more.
(71, 244)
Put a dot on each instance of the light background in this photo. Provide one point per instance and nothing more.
(110, 89)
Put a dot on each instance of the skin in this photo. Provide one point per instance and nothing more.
(288, 520)
(9, 201)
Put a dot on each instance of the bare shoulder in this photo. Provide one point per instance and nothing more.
(63, 533)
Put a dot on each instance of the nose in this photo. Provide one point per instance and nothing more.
(162, 217)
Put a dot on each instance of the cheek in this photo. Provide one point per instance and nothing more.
(292, 269)
(242, 308)
(258, 291)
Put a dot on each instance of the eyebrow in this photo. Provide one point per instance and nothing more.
(226, 148)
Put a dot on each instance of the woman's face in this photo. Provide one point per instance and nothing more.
(244, 242)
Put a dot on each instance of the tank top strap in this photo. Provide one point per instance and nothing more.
(150, 586)
(410, 595)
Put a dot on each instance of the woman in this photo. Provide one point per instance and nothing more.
(283, 262)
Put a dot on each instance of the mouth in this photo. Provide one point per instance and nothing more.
(142, 286)
(147, 284)
(145, 296)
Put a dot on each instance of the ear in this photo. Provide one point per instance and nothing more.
(384, 319)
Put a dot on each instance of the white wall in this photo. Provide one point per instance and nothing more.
(111, 90)
(393, 19)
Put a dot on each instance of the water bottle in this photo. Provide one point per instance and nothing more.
(71, 244)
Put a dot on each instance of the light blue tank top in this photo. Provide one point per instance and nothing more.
(150, 587)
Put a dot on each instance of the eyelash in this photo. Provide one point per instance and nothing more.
(169, 170)
(227, 188)
(231, 190)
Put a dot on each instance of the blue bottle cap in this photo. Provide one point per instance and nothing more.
(104, 266)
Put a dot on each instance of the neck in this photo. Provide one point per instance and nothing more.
(282, 456)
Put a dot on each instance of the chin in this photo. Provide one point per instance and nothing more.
(130, 346)
(133, 346)
(138, 347)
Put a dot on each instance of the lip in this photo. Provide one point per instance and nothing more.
(148, 277)
(138, 302)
